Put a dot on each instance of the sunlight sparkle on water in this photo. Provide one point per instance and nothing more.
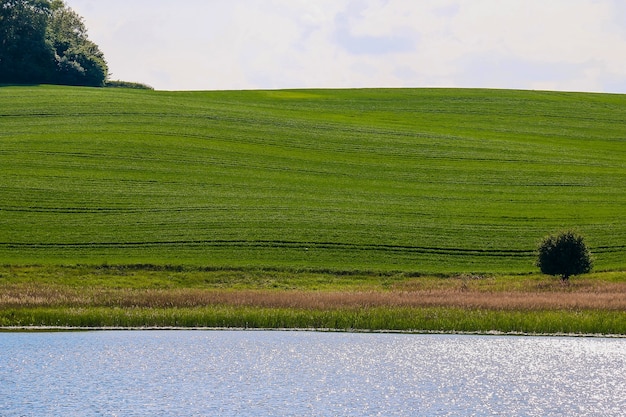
(237, 373)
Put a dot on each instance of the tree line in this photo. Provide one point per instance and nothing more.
(45, 42)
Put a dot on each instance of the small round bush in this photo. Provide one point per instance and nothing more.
(564, 254)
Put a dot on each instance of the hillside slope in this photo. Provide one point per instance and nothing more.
(418, 180)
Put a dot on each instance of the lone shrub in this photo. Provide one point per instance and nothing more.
(127, 84)
(564, 254)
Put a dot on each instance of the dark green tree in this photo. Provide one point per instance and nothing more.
(79, 61)
(44, 41)
(25, 54)
(564, 254)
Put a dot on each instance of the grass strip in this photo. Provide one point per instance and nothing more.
(434, 319)
(144, 297)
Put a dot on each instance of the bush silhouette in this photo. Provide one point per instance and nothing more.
(564, 254)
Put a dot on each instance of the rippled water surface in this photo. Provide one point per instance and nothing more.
(272, 373)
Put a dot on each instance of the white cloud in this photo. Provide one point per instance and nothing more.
(240, 44)
(570, 35)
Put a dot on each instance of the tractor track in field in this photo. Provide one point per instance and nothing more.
(298, 245)
(277, 244)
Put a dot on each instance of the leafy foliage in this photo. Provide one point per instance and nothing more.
(564, 254)
(127, 84)
(43, 41)
(25, 54)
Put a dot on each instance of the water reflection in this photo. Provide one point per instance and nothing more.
(205, 373)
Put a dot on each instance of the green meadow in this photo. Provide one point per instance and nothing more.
(414, 180)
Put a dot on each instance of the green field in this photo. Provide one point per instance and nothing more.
(415, 180)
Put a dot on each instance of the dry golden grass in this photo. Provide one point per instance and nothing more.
(543, 295)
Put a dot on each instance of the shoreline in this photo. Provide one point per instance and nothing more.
(71, 329)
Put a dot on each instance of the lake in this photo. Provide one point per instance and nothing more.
(289, 373)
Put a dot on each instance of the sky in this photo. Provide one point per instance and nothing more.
(564, 45)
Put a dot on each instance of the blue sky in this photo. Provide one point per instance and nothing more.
(568, 45)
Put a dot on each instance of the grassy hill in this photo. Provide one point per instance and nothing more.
(421, 180)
